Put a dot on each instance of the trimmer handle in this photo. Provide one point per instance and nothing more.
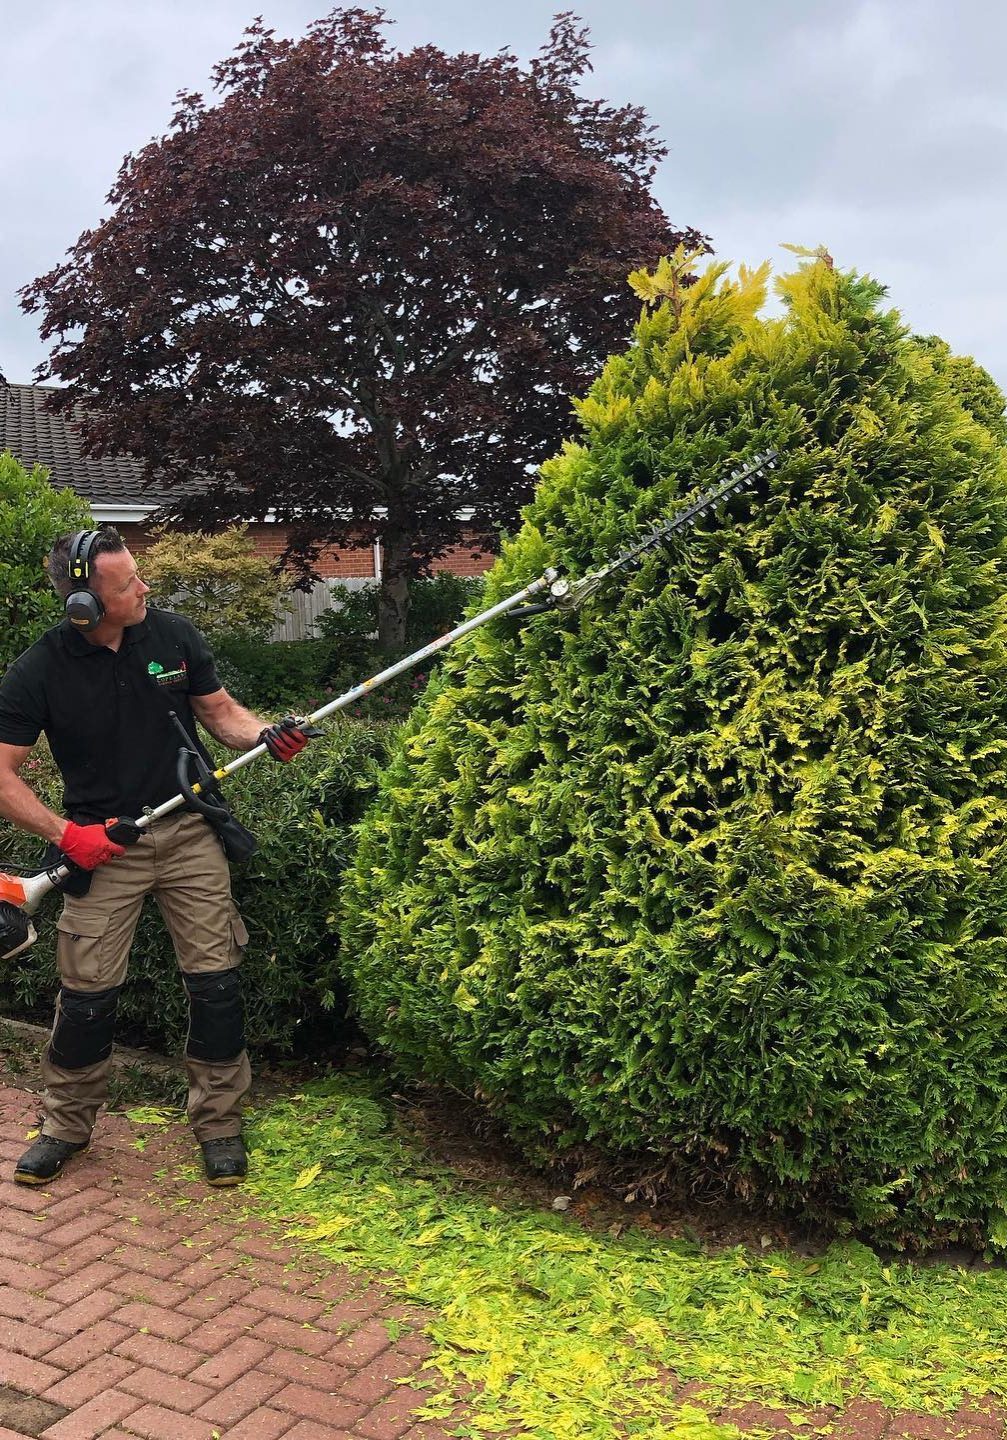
(123, 832)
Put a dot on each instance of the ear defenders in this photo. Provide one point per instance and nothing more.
(83, 608)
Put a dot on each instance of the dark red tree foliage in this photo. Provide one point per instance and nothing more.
(358, 290)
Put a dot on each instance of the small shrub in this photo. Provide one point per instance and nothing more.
(32, 514)
(217, 581)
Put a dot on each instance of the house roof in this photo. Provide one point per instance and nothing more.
(35, 435)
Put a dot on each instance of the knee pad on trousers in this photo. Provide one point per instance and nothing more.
(85, 1027)
(216, 1016)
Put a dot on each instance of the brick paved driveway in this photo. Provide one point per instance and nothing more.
(121, 1318)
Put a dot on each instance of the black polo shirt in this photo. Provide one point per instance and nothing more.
(105, 712)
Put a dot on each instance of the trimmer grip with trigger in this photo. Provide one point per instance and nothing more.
(124, 831)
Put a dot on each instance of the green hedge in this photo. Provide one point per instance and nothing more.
(303, 814)
(712, 874)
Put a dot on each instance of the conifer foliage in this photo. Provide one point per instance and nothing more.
(711, 873)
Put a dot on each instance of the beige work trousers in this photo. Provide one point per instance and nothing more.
(179, 861)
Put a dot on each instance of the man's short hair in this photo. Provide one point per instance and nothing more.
(58, 564)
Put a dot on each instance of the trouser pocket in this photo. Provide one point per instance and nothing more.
(80, 949)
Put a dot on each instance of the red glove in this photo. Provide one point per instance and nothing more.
(88, 845)
(288, 737)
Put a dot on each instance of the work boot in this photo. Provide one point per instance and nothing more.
(225, 1160)
(44, 1160)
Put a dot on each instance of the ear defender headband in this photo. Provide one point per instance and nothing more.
(83, 608)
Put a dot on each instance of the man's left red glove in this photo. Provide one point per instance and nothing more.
(288, 737)
(88, 845)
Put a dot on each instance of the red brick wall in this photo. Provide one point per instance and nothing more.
(333, 563)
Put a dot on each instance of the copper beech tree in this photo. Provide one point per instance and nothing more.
(357, 291)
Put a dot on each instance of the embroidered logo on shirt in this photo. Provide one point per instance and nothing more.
(166, 677)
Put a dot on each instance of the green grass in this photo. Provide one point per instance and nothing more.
(564, 1333)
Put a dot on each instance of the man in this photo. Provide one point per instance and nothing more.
(101, 685)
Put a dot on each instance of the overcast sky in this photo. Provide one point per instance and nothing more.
(877, 127)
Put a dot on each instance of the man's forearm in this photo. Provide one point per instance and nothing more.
(237, 728)
(22, 807)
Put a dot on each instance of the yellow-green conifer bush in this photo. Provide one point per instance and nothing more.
(712, 873)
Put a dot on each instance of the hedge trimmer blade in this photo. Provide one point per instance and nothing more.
(566, 595)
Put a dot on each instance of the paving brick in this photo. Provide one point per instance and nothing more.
(212, 1335)
(925, 1427)
(22, 1277)
(87, 1280)
(234, 1402)
(361, 1346)
(76, 1230)
(32, 1376)
(24, 1222)
(862, 1420)
(393, 1417)
(95, 1340)
(339, 1285)
(266, 1249)
(88, 1311)
(142, 1234)
(23, 1197)
(230, 1363)
(23, 1248)
(170, 1356)
(169, 1324)
(146, 1262)
(80, 1201)
(25, 1338)
(287, 1306)
(154, 1422)
(379, 1379)
(312, 1430)
(136, 1211)
(74, 1259)
(312, 1404)
(148, 1289)
(92, 1379)
(352, 1312)
(19, 1305)
(220, 1296)
(413, 1345)
(213, 1235)
(155, 1387)
(262, 1424)
(294, 1334)
(204, 1276)
(94, 1418)
(306, 1369)
(280, 1277)
(295, 1337)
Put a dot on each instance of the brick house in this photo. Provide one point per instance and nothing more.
(115, 489)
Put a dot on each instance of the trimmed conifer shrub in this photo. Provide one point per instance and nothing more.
(711, 873)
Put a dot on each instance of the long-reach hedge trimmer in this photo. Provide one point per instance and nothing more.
(551, 591)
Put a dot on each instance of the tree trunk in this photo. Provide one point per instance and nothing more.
(393, 601)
